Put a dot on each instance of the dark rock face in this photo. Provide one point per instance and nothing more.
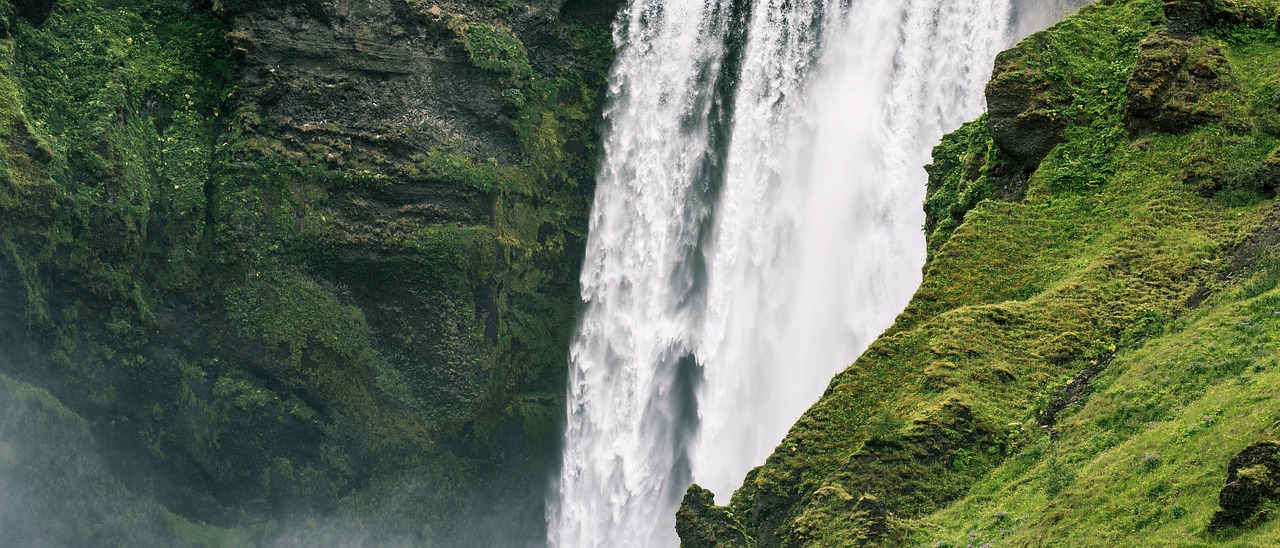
(1173, 85)
(594, 12)
(369, 85)
(1021, 125)
(1186, 18)
(1253, 478)
(35, 11)
(341, 288)
(1022, 111)
(396, 89)
(702, 524)
(358, 68)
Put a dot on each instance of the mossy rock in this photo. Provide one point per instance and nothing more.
(1253, 480)
(1023, 103)
(702, 524)
(1178, 85)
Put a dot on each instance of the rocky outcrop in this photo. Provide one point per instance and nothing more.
(702, 524)
(1022, 110)
(1177, 85)
(1187, 18)
(1253, 480)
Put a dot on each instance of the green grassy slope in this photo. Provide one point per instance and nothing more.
(1089, 349)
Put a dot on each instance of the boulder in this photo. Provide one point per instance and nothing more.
(1252, 480)
(1022, 111)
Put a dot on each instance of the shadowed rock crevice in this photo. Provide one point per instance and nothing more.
(35, 11)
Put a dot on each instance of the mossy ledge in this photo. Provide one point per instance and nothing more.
(302, 271)
(1094, 340)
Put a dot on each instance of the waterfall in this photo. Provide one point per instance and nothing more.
(756, 224)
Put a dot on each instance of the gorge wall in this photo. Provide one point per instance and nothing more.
(295, 272)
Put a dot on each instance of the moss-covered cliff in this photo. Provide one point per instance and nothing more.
(1094, 341)
(296, 268)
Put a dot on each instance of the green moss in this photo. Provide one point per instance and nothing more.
(494, 49)
(959, 177)
(248, 332)
(484, 176)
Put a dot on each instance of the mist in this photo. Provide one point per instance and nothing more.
(1035, 15)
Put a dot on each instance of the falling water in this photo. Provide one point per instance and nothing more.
(756, 224)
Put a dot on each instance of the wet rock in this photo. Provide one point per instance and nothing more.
(593, 12)
(1186, 18)
(702, 524)
(1252, 480)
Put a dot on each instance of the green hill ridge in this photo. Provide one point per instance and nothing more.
(1095, 339)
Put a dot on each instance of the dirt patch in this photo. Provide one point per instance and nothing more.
(1076, 390)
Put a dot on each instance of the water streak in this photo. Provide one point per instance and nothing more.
(756, 224)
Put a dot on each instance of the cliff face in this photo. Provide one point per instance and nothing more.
(1090, 357)
(307, 263)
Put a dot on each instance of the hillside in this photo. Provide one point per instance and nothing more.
(1092, 349)
(292, 271)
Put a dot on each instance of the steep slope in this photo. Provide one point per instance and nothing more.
(1091, 345)
(303, 268)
